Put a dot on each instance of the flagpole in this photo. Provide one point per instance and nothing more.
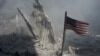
(64, 31)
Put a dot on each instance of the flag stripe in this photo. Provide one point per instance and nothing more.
(77, 26)
(82, 25)
(80, 22)
(82, 30)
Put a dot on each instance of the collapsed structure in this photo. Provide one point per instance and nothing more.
(40, 25)
(29, 35)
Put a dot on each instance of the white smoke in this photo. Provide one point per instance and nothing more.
(85, 10)
(78, 9)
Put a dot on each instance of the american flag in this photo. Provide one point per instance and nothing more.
(77, 26)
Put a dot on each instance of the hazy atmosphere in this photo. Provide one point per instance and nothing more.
(83, 10)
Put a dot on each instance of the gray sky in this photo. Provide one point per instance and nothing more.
(84, 10)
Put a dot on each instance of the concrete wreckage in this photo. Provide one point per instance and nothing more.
(34, 35)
